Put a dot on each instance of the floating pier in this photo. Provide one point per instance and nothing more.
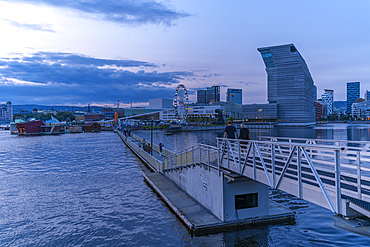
(204, 198)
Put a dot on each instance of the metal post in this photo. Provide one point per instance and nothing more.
(337, 182)
(218, 157)
(240, 158)
(208, 155)
(228, 157)
(254, 161)
(358, 162)
(151, 137)
(299, 170)
(200, 154)
(273, 165)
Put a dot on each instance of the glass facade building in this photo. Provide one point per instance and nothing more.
(260, 112)
(367, 95)
(328, 98)
(289, 85)
(213, 94)
(234, 96)
(353, 94)
(201, 96)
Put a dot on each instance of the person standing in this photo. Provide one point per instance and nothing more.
(230, 131)
(244, 135)
(160, 148)
(143, 144)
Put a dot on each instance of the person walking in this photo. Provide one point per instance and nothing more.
(160, 148)
(230, 131)
(244, 135)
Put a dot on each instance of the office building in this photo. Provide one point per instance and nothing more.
(234, 96)
(328, 98)
(353, 93)
(289, 85)
(314, 93)
(6, 112)
(202, 96)
(367, 95)
(160, 103)
(260, 112)
(229, 109)
(318, 110)
(213, 94)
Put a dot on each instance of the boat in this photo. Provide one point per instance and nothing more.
(168, 133)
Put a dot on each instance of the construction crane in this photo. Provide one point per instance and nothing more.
(232, 95)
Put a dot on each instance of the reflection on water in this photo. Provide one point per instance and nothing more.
(88, 190)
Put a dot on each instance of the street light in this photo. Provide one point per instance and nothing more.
(151, 136)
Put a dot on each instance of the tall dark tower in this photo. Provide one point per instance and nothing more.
(289, 85)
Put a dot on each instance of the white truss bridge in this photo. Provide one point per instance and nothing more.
(330, 173)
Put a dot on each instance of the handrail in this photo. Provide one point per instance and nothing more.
(320, 140)
(321, 174)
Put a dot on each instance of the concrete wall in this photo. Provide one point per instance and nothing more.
(232, 188)
(217, 193)
(203, 184)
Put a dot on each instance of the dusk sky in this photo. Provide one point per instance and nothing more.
(79, 52)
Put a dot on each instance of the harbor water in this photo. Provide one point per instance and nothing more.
(88, 190)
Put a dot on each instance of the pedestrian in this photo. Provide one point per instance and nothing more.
(160, 148)
(143, 143)
(244, 135)
(230, 131)
(148, 148)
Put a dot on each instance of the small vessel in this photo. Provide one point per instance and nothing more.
(174, 127)
(168, 133)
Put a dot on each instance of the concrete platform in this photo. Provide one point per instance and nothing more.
(200, 220)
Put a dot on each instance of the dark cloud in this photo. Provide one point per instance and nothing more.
(60, 78)
(132, 12)
(33, 27)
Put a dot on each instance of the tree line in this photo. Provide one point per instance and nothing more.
(60, 115)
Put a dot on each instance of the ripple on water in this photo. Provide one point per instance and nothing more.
(87, 190)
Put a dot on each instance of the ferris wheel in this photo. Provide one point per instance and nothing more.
(181, 102)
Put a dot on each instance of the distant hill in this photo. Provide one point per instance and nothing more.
(56, 108)
(340, 105)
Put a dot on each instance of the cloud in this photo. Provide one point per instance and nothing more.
(132, 12)
(33, 27)
(61, 78)
(247, 83)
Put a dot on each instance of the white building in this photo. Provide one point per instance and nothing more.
(6, 112)
(193, 111)
(160, 103)
(361, 110)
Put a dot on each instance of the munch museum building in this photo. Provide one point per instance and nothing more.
(289, 85)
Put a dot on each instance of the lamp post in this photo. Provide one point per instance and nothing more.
(151, 136)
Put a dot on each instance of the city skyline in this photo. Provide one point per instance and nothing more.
(100, 52)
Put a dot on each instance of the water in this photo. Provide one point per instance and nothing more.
(87, 190)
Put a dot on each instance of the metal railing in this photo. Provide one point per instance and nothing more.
(321, 174)
(156, 164)
(165, 152)
(197, 154)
